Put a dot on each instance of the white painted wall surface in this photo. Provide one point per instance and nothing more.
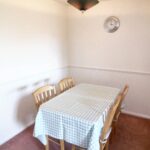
(33, 33)
(36, 37)
(33, 52)
(113, 58)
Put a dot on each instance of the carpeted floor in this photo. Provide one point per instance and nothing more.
(133, 133)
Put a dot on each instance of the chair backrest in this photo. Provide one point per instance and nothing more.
(124, 92)
(66, 84)
(44, 94)
(108, 122)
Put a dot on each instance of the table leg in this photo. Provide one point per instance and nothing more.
(47, 144)
(62, 145)
(73, 147)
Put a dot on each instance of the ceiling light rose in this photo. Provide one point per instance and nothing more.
(83, 5)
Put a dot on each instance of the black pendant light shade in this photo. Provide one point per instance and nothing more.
(83, 4)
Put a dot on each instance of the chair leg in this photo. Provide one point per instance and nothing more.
(73, 147)
(47, 144)
(107, 145)
(110, 138)
(62, 145)
(115, 128)
(101, 146)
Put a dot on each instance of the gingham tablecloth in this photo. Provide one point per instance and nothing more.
(76, 116)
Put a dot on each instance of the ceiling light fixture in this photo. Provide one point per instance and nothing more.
(83, 5)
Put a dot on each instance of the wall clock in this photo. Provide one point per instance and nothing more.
(112, 24)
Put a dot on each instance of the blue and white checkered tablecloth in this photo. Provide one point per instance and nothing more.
(76, 115)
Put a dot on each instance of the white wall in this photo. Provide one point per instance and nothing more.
(113, 58)
(33, 52)
(35, 37)
(33, 34)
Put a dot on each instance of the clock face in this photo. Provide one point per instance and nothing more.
(111, 24)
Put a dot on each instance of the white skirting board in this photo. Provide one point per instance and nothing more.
(136, 114)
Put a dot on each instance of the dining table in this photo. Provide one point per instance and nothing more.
(76, 116)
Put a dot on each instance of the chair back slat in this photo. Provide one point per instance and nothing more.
(123, 94)
(125, 91)
(66, 84)
(44, 94)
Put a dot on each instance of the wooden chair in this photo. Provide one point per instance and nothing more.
(120, 108)
(42, 95)
(106, 130)
(61, 143)
(66, 84)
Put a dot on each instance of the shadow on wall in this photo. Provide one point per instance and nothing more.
(26, 110)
